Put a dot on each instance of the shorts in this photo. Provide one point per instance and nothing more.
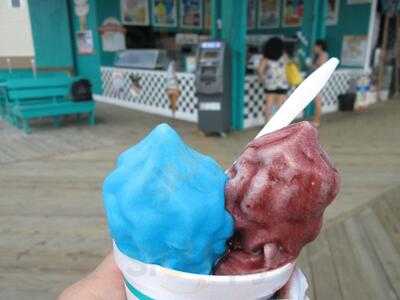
(276, 91)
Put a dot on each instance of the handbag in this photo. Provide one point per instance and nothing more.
(293, 74)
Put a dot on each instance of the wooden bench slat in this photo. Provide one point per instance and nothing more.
(44, 82)
(59, 92)
(58, 109)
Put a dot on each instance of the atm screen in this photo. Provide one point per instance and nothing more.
(208, 71)
(209, 55)
(211, 45)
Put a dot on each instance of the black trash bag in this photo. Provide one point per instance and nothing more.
(346, 101)
(81, 90)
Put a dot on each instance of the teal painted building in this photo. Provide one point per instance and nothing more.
(55, 26)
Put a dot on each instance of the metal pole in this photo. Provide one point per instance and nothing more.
(383, 54)
(371, 30)
(397, 53)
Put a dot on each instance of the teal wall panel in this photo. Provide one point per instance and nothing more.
(51, 33)
(234, 20)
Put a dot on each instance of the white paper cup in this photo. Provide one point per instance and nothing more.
(147, 281)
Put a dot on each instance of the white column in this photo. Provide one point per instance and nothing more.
(371, 30)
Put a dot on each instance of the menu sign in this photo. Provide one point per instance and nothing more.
(135, 12)
(293, 11)
(268, 13)
(191, 14)
(354, 50)
(164, 13)
(333, 11)
(251, 14)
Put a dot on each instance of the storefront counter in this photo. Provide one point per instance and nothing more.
(153, 99)
(254, 95)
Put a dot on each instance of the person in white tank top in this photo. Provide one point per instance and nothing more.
(272, 73)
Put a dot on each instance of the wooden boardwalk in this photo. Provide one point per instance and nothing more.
(52, 224)
(359, 257)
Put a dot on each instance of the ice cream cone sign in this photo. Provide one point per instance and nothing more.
(172, 87)
(112, 35)
(82, 10)
(136, 87)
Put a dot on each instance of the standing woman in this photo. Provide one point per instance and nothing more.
(272, 73)
(320, 57)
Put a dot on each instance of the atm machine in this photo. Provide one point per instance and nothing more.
(213, 88)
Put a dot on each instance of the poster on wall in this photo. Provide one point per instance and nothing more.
(135, 12)
(251, 14)
(293, 11)
(191, 13)
(207, 14)
(268, 13)
(84, 41)
(354, 50)
(333, 12)
(164, 13)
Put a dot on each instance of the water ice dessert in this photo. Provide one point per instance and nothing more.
(277, 192)
(165, 204)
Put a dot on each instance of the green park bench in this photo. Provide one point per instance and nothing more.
(32, 98)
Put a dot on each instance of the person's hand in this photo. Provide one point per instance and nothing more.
(105, 282)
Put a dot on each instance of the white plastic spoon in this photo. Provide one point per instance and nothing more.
(301, 97)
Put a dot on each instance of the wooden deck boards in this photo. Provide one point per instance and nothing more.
(359, 257)
(52, 224)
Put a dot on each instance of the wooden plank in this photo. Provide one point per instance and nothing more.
(5, 155)
(393, 201)
(48, 243)
(372, 270)
(325, 281)
(388, 256)
(348, 271)
(386, 216)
